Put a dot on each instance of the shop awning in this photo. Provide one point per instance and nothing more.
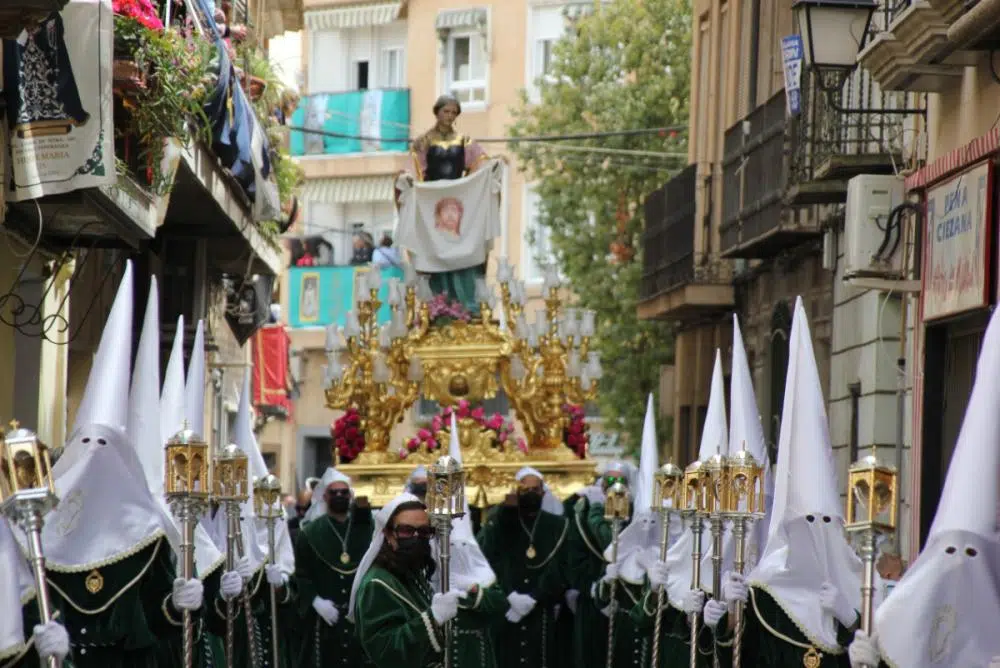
(461, 18)
(353, 190)
(354, 16)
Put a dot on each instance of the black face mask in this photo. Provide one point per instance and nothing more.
(413, 553)
(530, 502)
(339, 504)
(419, 489)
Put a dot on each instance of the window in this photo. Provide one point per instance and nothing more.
(543, 57)
(536, 242)
(466, 67)
(361, 75)
(392, 68)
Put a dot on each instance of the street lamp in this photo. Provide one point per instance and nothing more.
(839, 25)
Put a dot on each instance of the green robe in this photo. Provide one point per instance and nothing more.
(763, 649)
(129, 621)
(472, 631)
(395, 624)
(675, 635)
(504, 541)
(287, 614)
(585, 561)
(27, 657)
(320, 572)
(631, 643)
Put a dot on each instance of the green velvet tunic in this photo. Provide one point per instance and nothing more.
(395, 624)
(631, 643)
(762, 648)
(129, 620)
(675, 635)
(585, 561)
(287, 615)
(505, 541)
(27, 657)
(472, 631)
(320, 572)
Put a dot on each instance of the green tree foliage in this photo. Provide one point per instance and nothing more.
(625, 67)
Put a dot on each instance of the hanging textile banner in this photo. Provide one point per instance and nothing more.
(271, 382)
(57, 83)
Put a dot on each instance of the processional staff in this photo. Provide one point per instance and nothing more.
(266, 493)
(694, 512)
(743, 503)
(716, 481)
(27, 492)
(871, 510)
(232, 484)
(616, 511)
(445, 502)
(667, 491)
(187, 484)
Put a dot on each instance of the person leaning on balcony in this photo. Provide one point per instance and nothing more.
(385, 255)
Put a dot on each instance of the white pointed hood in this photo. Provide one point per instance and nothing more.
(638, 544)
(318, 506)
(806, 545)
(194, 390)
(943, 611)
(244, 437)
(747, 433)
(468, 564)
(106, 512)
(152, 412)
(714, 440)
(17, 587)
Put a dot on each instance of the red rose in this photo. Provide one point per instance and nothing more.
(352, 432)
(354, 419)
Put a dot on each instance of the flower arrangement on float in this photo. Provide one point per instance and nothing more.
(435, 435)
(348, 437)
(443, 310)
(576, 436)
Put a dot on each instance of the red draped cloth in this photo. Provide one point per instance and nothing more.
(271, 376)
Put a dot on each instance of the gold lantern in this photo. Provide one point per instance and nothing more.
(266, 492)
(745, 486)
(668, 487)
(446, 488)
(231, 479)
(187, 466)
(694, 491)
(871, 497)
(25, 468)
(617, 504)
(715, 484)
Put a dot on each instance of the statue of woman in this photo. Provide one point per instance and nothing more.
(439, 154)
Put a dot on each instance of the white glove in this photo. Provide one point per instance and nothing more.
(230, 585)
(863, 651)
(572, 596)
(187, 594)
(274, 576)
(658, 574)
(244, 568)
(834, 602)
(444, 607)
(610, 573)
(51, 639)
(593, 494)
(326, 610)
(735, 588)
(522, 604)
(693, 601)
(713, 612)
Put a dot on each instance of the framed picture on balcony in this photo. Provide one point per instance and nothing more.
(309, 297)
(957, 236)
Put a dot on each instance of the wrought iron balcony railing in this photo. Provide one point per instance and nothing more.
(668, 242)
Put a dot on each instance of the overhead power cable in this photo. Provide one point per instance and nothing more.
(675, 129)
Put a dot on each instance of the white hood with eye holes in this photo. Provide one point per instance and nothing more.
(944, 610)
(806, 545)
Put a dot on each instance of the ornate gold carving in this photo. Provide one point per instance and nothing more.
(94, 582)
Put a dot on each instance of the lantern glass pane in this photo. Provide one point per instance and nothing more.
(832, 33)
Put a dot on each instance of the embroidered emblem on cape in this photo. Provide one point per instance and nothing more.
(942, 630)
(812, 658)
(94, 582)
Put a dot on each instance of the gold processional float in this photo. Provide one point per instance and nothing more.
(376, 373)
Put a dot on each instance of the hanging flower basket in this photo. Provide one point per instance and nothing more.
(576, 436)
(348, 437)
(127, 77)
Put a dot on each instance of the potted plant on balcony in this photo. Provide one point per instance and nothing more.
(132, 19)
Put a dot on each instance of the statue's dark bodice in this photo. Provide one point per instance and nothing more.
(445, 161)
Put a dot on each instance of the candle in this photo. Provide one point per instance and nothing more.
(394, 292)
(409, 274)
(587, 323)
(374, 279)
(505, 271)
(415, 374)
(352, 327)
(333, 338)
(380, 372)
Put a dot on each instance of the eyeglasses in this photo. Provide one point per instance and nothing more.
(408, 531)
(339, 492)
(611, 480)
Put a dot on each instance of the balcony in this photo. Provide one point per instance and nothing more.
(354, 123)
(829, 146)
(756, 180)
(912, 44)
(678, 280)
(319, 296)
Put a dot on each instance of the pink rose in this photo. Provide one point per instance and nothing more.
(495, 422)
(423, 435)
(437, 423)
(479, 413)
(403, 454)
(522, 445)
(463, 411)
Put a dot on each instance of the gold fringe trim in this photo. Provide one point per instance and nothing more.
(211, 569)
(104, 563)
(562, 537)
(780, 636)
(328, 564)
(128, 585)
(23, 648)
(17, 650)
(586, 540)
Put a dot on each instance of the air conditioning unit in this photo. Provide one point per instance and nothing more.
(872, 248)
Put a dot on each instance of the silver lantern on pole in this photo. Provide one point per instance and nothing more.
(445, 502)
